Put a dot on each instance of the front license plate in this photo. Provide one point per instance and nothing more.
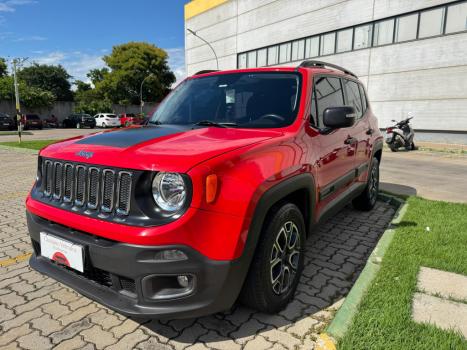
(62, 251)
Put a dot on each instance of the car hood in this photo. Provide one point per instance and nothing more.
(164, 147)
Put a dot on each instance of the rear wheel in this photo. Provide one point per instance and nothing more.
(367, 199)
(278, 262)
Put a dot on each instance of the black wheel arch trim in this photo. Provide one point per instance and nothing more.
(273, 196)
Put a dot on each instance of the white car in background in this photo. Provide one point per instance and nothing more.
(104, 120)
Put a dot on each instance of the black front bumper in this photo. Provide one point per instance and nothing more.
(118, 275)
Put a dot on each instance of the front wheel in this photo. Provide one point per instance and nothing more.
(278, 261)
(367, 199)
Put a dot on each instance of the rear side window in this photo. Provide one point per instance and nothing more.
(353, 96)
(328, 93)
(363, 96)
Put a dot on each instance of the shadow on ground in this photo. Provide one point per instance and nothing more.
(335, 255)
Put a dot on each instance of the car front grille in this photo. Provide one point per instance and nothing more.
(92, 188)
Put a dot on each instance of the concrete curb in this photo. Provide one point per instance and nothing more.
(347, 311)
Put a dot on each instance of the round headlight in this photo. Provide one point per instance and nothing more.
(169, 191)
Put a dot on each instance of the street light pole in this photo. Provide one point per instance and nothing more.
(141, 102)
(214, 52)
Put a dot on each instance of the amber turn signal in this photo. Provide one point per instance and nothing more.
(211, 188)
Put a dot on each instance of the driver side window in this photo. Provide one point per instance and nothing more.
(328, 92)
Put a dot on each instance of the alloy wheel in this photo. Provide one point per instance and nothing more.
(285, 257)
(373, 184)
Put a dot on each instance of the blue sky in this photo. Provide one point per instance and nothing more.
(77, 33)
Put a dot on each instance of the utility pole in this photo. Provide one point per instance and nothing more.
(17, 62)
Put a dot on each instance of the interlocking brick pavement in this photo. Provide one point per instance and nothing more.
(37, 312)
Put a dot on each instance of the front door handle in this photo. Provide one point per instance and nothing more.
(350, 140)
(370, 131)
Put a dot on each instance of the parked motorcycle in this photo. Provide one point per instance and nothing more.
(400, 135)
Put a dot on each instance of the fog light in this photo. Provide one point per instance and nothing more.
(183, 281)
(170, 255)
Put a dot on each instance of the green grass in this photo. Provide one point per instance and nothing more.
(36, 144)
(384, 317)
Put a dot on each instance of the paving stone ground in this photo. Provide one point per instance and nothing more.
(441, 300)
(36, 312)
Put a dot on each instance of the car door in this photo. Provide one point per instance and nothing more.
(360, 131)
(337, 155)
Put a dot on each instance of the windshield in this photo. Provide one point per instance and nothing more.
(247, 100)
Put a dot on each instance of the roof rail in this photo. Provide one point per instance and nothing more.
(205, 71)
(321, 64)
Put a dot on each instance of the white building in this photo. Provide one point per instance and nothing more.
(410, 54)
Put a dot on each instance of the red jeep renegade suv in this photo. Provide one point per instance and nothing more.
(213, 199)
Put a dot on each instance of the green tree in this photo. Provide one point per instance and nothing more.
(89, 100)
(30, 96)
(54, 79)
(97, 75)
(3, 68)
(131, 63)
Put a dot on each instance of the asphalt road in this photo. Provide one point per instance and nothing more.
(432, 175)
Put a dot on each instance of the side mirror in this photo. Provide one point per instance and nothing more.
(339, 117)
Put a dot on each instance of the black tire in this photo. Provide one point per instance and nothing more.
(266, 286)
(393, 148)
(367, 199)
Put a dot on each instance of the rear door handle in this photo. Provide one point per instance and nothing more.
(350, 140)
(369, 131)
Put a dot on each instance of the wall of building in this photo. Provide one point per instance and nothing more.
(426, 77)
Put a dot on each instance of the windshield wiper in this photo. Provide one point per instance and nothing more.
(215, 124)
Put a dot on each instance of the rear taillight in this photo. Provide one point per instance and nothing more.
(389, 130)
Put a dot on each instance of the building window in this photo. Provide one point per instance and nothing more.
(457, 18)
(284, 52)
(435, 21)
(242, 60)
(272, 55)
(384, 31)
(362, 36)
(298, 50)
(328, 43)
(344, 40)
(406, 28)
(312, 47)
(251, 62)
(431, 23)
(261, 58)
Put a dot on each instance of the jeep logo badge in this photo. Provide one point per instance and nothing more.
(84, 154)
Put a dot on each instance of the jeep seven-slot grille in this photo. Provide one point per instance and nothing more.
(103, 190)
